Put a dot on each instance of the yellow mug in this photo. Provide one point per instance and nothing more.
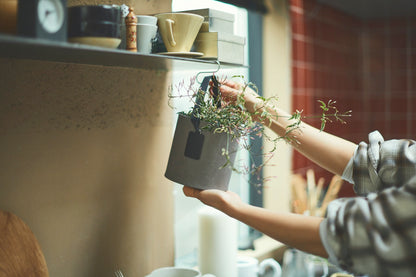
(179, 30)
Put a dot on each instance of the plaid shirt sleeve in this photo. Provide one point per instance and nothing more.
(375, 234)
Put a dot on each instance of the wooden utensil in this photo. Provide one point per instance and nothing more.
(332, 192)
(20, 253)
(312, 200)
(300, 198)
(319, 188)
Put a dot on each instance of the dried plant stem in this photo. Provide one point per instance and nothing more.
(238, 122)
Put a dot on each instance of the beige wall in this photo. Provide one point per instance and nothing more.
(83, 151)
(140, 6)
(277, 81)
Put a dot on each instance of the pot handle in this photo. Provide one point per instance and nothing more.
(270, 263)
(216, 91)
(198, 102)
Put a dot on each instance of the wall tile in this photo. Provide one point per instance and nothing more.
(398, 105)
(412, 61)
(296, 3)
(400, 60)
(299, 50)
(377, 105)
(368, 66)
(398, 39)
(398, 82)
(298, 22)
(398, 128)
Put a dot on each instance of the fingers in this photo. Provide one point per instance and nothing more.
(231, 84)
(191, 192)
(229, 90)
(227, 83)
(228, 94)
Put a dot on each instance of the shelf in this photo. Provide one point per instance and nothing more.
(36, 49)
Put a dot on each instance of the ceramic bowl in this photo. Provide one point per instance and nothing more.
(98, 13)
(94, 29)
(97, 41)
(104, 34)
(95, 25)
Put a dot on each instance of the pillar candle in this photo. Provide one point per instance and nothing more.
(217, 243)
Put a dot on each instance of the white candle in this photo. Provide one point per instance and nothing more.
(217, 243)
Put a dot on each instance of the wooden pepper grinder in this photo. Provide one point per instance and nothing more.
(131, 31)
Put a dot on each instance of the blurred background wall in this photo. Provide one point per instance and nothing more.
(365, 61)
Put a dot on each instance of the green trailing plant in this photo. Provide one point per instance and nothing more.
(329, 110)
(239, 124)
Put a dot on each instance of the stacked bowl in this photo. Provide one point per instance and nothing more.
(95, 25)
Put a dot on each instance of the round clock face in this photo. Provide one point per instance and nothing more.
(51, 15)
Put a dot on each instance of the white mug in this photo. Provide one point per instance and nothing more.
(298, 263)
(250, 267)
(177, 272)
(146, 19)
(146, 33)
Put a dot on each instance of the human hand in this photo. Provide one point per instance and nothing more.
(230, 91)
(225, 201)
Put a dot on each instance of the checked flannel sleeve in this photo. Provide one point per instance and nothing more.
(375, 234)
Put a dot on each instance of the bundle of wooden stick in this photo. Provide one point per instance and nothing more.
(309, 196)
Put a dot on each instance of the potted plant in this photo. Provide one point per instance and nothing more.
(208, 136)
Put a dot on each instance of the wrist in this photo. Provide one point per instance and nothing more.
(236, 210)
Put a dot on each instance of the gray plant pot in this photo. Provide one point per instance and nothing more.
(196, 160)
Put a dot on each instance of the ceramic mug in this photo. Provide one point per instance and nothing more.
(146, 19)
(145, 35)
(250, 267)
(179, 30)
(298, 263)
(177, 272)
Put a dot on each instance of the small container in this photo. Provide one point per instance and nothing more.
(220, 46)
(216, 21)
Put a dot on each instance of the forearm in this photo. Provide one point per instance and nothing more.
(295, 230)
(329, 151)
(301, 232)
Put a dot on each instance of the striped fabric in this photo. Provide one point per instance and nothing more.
(375, 234)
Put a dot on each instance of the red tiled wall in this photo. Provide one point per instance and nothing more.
(367, 66)
(389, 74)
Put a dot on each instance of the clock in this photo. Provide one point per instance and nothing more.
(44, 19)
